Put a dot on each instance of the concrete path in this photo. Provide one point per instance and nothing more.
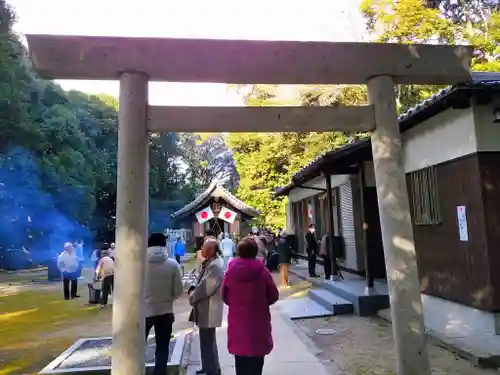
(292, 355)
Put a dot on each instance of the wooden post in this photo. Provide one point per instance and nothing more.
(368, 271)
(131, 227)
(397, 233)
(331, 225)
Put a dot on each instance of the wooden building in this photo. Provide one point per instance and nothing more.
(451, 147)
(218, 210)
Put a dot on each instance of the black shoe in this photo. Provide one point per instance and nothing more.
(75, 296)
(66, 298)
(315, 276)
(200, 372)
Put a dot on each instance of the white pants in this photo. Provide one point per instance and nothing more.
(226, 261)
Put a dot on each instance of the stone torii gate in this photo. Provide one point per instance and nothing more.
(136, 61)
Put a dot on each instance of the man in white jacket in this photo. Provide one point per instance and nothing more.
(163, 287)
(67, 262)
(227, 247)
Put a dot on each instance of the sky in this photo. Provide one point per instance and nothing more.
(314, 20)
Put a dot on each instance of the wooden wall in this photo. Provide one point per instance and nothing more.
(489, 167)
(449, 268)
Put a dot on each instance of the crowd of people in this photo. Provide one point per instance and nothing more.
(229, 273)
(235, 274)
(71, 260)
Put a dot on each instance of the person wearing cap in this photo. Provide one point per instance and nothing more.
(67, 262)
(112, 250)
(105, 272)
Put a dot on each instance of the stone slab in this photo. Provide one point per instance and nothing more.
(260, 119)
(92, 356)
(304, 308)
(331, 301)
(293, 352)
(352, 289)
(365, 302)
(287, 368)
(246, 61)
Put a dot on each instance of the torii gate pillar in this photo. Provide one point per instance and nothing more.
(131, 226)
(397, 233)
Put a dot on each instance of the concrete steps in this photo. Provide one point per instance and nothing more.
(303, 308)
(365, 302)
(337, 305)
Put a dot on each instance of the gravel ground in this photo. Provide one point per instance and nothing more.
(364, 346)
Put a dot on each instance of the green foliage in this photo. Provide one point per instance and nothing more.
(207, 158)
(475, 22)
(58, 154)
(266, 161)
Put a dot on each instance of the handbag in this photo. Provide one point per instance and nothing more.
(191, 316)
(204, 266)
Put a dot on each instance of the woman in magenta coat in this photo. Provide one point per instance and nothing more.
(248, 290)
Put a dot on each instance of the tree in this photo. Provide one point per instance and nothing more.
(473, 22)
(465, 11)
(58, 159)
(268, 161)
(207, 158)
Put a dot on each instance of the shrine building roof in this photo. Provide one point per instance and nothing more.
(215, 190)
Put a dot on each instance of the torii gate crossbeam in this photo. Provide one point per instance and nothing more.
(136, 61)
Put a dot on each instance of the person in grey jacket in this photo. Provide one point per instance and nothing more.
(206, 299)
(163, 287)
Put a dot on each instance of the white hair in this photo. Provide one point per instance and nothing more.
(68, 246)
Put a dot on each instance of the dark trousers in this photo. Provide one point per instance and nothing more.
(108, 283)
(327, 266)
(248, 365)
(209, 353)
(311, 262)
(178, 259)
(70, 278)
(163, 332)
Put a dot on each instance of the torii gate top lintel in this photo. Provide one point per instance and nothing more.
(246, 61)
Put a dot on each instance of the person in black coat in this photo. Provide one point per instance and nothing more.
(312, 250)
(325, 253)
(284, 251)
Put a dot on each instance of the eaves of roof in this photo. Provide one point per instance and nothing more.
(203, 198)
(456, 96)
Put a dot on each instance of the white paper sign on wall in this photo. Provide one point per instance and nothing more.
(462, 224)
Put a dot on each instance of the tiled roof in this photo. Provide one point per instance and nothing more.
(412, 117)
(215, 190)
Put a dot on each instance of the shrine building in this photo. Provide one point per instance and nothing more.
(218, 210)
